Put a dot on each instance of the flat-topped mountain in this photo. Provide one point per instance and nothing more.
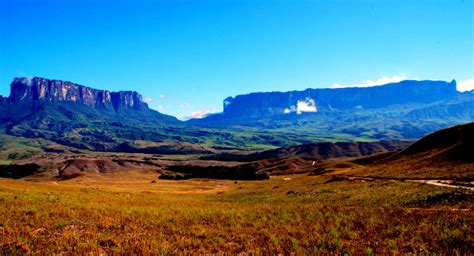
(395, 111)
(41, 89)
(327, 100)
(32, 96)
(79, 116)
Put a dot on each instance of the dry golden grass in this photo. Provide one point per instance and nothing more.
(127, 213)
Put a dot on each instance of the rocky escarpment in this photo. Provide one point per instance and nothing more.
(41, 89)
(323, 100)
(79, 116)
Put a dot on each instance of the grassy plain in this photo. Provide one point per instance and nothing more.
(137, 213)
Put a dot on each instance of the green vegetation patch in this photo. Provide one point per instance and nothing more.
(445, 198)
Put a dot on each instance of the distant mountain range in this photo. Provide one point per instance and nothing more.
(86, 118)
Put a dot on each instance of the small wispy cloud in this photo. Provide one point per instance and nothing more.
(184, 105)
(160, 107)
(201, 113)
(162, 96)
(370, 83)
(307, 105)
(147, 100)
(28, 79)
(465, 85)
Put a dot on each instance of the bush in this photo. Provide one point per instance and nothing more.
(16, 171)
(174, 176)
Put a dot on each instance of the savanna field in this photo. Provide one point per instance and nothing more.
(242, 127)
(135, 212)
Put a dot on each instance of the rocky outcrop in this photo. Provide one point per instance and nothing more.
(324, 100)
(41, 89)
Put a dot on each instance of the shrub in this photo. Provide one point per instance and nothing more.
(16, 171)
(174, 176)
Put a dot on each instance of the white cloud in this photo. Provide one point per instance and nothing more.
(307, 105)
(184, 105)
(147, 100)
(25, 78)
(466, 85)
(160, 107)
(201, 113)
(28, 80)
(227, 102)
(162, 97)
(370, 83)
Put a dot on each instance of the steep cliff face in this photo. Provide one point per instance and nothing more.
(322, 100)
(40, 89)
(53, 103)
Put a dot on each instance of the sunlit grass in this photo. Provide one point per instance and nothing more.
(127, 213)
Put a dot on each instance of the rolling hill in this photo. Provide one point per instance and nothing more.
(445, 154)
(316, 151)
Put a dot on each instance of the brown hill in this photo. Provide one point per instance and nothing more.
(283, 166)
(72, 168)
(452, 144)
(178, 148)
(446, 154)
(317, 151)
(88, 165)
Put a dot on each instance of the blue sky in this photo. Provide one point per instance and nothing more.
(185, 57)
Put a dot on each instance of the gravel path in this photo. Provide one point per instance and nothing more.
(448, 183)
